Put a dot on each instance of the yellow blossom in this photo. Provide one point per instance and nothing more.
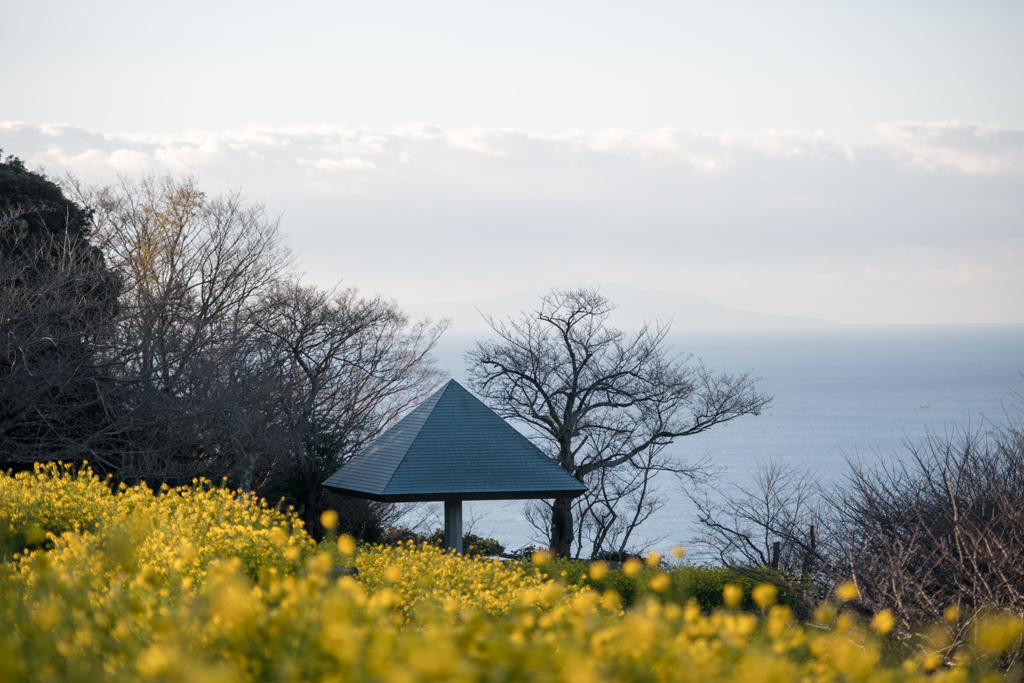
(847, 591)
(883, 621)
(732, 595)
(995, 633)
(329, 519)
(764, 595)
(196, 584)
(932, 661)
(660, 582)
(346, 544)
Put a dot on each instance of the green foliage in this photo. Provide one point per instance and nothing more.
(47, 212)
(472, 545)
(703, 583)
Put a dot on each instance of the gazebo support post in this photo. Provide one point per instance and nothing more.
(453, 525)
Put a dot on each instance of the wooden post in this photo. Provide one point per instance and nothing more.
(453, 525)
(805, 566)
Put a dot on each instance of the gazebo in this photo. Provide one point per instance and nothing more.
(452, 448)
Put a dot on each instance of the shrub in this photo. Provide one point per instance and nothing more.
(702, 583)
(942, 527)
(472, 545)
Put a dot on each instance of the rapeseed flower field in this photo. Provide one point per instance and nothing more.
(204, 584)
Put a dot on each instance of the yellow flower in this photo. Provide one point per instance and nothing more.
(764, 595)
(732, 595)
(155, 661)
(653, 558)
(824, 614)
(883, 622)
(847, 591)
(660, 582)
(201, 570)
(933, 661)
(952, 613)
(632, 567)
(678, 552)
(611, 600)
(541, 557)
(346, 544)
(329, 519)
(844, 622)
(278, 536)
(997, 632)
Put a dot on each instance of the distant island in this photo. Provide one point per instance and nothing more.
(687, 312)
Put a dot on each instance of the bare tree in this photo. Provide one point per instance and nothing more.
(190, 397)
(618, 500)
(203, 356)
(596, 398)
(349, 367)
(772, 530)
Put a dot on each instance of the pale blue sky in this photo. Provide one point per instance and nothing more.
(862, 162)
(538, 66)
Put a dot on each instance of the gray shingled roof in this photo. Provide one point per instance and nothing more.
(452, 447)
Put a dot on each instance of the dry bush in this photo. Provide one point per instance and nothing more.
(942, 527)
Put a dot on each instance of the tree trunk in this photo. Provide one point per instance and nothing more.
(561, 527)
(310, 495)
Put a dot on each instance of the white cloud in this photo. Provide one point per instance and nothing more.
(352, 163)
(956, 146)
(130, 160)
(968, 148)
(53, 130)
(479, 140)
(878, 226)
(84, 161)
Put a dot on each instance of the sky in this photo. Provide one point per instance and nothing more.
(853, 162)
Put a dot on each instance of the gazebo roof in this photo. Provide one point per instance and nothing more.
(452, 447)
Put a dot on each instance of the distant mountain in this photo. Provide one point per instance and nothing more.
(686, 311)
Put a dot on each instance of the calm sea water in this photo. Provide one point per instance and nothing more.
(857, 391)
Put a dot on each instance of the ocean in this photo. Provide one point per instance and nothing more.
(849, 391)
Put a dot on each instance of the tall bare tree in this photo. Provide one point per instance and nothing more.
(348, 366)
(203, 355)
(597, 398)
(194, 270)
